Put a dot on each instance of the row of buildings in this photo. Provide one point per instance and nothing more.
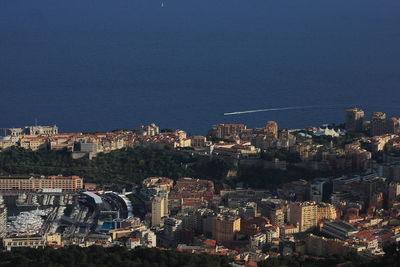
(337, 216)
(378, 125)
(254, 222)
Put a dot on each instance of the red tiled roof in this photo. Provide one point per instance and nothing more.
(363, 234)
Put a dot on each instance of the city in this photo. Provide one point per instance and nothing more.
(259, 194)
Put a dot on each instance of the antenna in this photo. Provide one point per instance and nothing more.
(35, 121)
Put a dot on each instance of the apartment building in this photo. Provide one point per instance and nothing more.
(36, 183)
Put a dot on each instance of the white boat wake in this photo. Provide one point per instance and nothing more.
(268, 109)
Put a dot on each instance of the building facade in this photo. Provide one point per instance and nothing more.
(308, 214)
(11, 243)
(354, 120)
(225, 228)
(32, 130)
(33, 183)
(378, 123)
(159, 209)
(3, 218)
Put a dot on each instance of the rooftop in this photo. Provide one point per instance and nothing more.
(345, 226)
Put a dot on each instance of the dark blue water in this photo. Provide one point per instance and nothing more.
(91, 65)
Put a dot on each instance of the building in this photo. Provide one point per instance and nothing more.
(354, 119)
(289, 230)
(253, 225)
(393, 192)
(378, 123)
(37, 183)
(249, 209)
(159, 209)
(54, 239)
(3, 218)
(32, 130)
(272, 232)
(226, 131)
(147, 238)
(321, 246)
(225, 228)
(133, 242)
(308, 214)
(171, 228)
(338, 230)
(304, 214)
(274, 210)
(320, 190)
(392, 125)
(149, 130)
(11, 243)
(271, 129)
(198, 141)
(258, 241)
(33, 142)
(159, 183)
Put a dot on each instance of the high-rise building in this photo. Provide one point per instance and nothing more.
(378, 123)
(159, 208)
(308, 214)
(225, 228)
(3, 218)
(304, 214)
(354, 119)
(392, 125)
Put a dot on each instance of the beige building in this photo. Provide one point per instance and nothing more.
(159, 209)
(321, 246)
(33, 142)
(24, 242)
(271, 129)
(161, 183)
(54, 239)
(33, 183)
(308, 214)
(225, 228)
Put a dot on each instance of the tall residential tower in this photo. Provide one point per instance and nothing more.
(354, 119)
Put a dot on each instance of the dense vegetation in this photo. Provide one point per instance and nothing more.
(146, 257)
(281, 154)
(126, 165)
(390, 259)
(258, 177)
(215, 169)
(132, 165)
(115, 256)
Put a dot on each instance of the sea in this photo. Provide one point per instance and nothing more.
(99, 65)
